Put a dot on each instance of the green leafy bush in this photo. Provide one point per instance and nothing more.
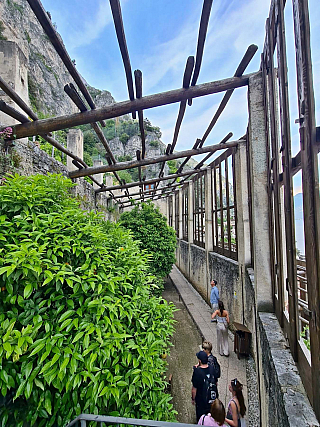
(79, 330)
(150, 228)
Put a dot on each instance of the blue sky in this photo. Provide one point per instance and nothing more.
(160, 36)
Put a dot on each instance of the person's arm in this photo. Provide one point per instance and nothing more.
(214, 314)
(228, 320)
(193, 394)
(217, 293)
(234, 421)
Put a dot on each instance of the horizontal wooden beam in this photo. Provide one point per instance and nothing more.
(150, 181)
(144, 162)
(148, 192)
(125, 107)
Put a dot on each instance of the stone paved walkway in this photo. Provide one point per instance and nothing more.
(200, 311)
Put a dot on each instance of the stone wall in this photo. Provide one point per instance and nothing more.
(26, 158)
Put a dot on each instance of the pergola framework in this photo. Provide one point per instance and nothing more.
(289, 292)
(138, 103)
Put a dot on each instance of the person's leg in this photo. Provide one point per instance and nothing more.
(225, 343)
(219, 339)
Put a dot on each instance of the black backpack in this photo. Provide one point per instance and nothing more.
(214, 367)
(210, 390)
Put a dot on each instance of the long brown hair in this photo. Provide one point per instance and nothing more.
(237, 388)
(218, 412)
(221, 307)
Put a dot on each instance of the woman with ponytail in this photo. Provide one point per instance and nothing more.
(236, 407)
(222, 329)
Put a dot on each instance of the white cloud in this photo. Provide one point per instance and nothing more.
(92, 27)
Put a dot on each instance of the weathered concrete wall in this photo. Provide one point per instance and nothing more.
(184, 257)
(198, 273)
(287, 403)
(26, 158)
(226, 272)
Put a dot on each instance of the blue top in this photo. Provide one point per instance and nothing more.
(214, 296)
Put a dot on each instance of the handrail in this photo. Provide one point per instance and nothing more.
(83, 418)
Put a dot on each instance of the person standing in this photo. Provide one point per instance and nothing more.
(222, 329)
(236, 407)
(199, 391)
(214, 297)
(212, 360)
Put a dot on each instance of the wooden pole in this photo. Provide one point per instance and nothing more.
(48, 28)
(151, 161)
(16, 98)
(150, 181)
(118, 23)
(148, 192)
(138, 82)
(12, 112)
(125, 107)
(76, 98)
(204, 21)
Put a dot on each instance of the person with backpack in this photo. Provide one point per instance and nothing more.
(204, 390)
(236, 407)
(216, 416)
(212, 360)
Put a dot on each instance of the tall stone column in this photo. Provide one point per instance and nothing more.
(190, 212)
(243, 219)
(98, 176)
(14, 71)
(208, 225)
(260, 211)
(75, 145)
(180, 215)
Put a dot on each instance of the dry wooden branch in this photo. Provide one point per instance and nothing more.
(125, 107)
(118, 23)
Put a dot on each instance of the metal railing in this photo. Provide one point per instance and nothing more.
(116, 421)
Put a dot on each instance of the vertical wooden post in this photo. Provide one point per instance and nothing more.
(310, 183)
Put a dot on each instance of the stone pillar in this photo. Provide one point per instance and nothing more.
(180, 215)
(14, 71)
(98, 176)
(190, 212)
(75, 145)
(260, 211)
(242, 195)
(173, 211)
(208, 210)
(208, 225)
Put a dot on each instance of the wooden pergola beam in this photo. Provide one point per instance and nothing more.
(125, 107)
(76, 98)
(118, 24)
(203, 27)
(136, 163)
(138, 83)
(148, 192)
(48, 28)
(150, 181)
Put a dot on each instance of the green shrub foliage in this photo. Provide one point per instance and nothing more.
(150, 228)
(79, 329)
